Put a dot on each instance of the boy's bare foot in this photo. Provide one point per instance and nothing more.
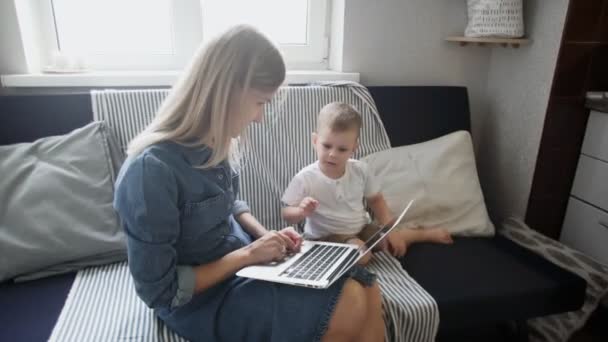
(438, 235)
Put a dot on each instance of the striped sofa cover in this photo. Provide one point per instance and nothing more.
(276, 150)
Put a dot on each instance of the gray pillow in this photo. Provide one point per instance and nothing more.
(56, 211)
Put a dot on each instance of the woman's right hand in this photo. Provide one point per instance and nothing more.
(270, 247)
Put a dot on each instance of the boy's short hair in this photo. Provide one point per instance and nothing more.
(339, 117)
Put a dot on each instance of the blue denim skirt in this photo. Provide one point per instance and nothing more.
(242, 309)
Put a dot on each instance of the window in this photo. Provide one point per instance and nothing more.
(298, 26)
(163, 34)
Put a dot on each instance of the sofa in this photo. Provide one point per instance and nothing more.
(502, 285)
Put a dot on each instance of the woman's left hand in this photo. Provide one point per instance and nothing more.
(292, 239)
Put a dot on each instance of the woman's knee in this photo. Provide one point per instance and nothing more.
(374, 300)
(354, 296)
(374, 294)
(352, 304)
(350, 311)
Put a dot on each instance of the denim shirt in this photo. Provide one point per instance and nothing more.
(176, 216)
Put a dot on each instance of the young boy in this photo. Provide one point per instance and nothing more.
(330, 193)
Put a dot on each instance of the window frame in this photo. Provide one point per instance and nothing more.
(187, 35)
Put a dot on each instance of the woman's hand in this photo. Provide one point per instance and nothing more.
(273, 246)
(292, 239)
(270, 247)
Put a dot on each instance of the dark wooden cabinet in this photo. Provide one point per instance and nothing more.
(582, 66)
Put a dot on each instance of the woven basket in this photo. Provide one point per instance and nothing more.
(495, 18)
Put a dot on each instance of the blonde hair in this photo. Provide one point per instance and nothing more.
(196, 112)
(339, 117)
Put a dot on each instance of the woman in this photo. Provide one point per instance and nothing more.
(188, 235)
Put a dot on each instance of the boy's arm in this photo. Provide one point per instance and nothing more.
(380, 209)
(293, 215)
(298, 204)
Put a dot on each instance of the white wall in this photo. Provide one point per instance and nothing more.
(396, 42)
(402, 42)
(517, 93)
(12, 58)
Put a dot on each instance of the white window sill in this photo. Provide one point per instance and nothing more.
(148, 78)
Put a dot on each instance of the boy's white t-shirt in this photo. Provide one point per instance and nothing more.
(341, 209)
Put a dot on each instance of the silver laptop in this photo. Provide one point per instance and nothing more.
(318, 264)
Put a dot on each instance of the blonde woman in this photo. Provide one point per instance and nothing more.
(188, 235)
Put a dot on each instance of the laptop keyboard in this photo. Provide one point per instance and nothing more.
(314, 263)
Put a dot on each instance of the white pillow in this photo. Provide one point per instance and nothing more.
(441, 176)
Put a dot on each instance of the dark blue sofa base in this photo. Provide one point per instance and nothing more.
(30, 309)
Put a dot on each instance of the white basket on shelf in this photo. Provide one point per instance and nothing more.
(495, 18)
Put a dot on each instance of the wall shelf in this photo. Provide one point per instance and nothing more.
(505, 42)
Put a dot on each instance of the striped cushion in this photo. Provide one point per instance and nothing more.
(128, 112)
(102, 306)
(410, 313)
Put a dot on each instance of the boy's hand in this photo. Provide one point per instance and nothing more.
(308, 206)
(397, 245)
